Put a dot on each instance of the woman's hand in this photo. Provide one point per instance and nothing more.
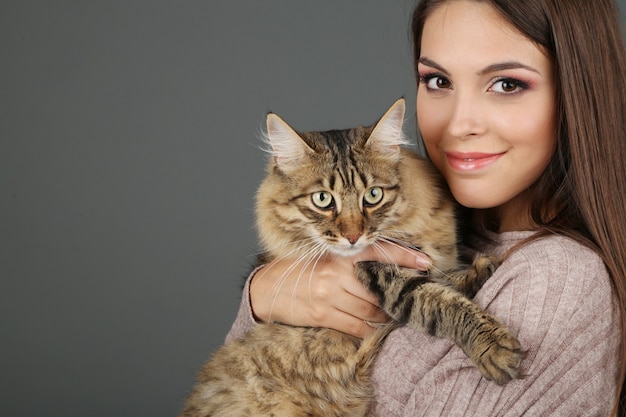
(326, 293)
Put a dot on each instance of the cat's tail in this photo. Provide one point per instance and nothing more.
(371, 344)
(364, 361)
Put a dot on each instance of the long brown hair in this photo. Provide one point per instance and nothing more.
(582, 193)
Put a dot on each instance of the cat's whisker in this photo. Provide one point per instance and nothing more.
(277, 285)
(385, 253)
(302, 262)
(297, 245)
(400, 243)
(296, 248)
(319, 256)
(313, 256)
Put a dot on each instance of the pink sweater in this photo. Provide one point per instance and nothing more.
(556, 296)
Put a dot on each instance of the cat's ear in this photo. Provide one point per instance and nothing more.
(286, 146)
(387, 136)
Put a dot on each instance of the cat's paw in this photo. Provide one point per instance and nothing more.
(473, 278)
(482, 269)
(384, 280)
(499, 357)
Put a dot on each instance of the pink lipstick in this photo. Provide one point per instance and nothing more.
(471, 161)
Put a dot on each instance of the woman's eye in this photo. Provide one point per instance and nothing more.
(435, 82)
(322, 200)
(373, 196)
(508, 86)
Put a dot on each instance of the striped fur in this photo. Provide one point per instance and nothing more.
(339, 192)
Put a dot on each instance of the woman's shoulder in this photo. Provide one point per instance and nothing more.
(550, 276)
(549, 245)
(554, 255)
(558, 257)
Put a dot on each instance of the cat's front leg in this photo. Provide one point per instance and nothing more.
(410, 297)
(468, 279)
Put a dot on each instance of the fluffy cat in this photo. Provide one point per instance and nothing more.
(337, 192)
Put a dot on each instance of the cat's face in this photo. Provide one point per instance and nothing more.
(336, 191)
(343, 203)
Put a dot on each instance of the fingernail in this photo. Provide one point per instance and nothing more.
(423, 263)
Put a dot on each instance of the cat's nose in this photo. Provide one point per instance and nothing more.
(352, 238)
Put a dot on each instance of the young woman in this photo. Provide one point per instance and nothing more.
(521, 106)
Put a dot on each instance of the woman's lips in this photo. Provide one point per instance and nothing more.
(471, 161)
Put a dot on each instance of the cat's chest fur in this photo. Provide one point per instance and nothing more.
(293, 371)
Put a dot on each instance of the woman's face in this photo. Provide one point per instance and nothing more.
(485, 107)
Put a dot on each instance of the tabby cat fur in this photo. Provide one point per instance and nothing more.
(334, 193)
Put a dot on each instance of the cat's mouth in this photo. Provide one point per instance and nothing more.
(348, 246)
(330, 244)
(345, 247)
(346, 250)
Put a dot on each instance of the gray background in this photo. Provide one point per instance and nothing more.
(129, 157)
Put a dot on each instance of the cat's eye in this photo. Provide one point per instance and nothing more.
(373, 196)
(322, 200)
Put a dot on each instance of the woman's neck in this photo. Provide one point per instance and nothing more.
(512, 216)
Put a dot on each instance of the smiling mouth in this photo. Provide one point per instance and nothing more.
(471, 161)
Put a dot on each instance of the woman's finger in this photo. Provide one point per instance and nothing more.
(355, 326)
(328, 295)
(393, 253)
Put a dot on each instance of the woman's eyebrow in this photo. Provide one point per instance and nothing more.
(429, 62)
(499, 66)
(507, 65)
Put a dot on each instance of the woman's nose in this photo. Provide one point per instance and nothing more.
(467, 119)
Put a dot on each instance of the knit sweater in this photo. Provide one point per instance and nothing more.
(556, 296)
